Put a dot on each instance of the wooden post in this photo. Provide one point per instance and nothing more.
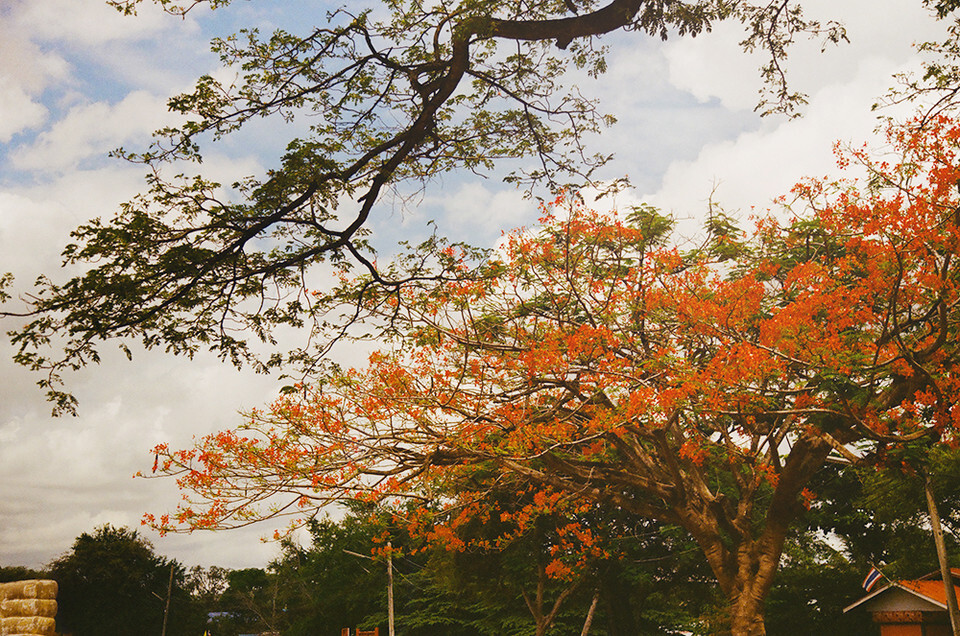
(948, 587)
(166, 608)
(389, 585)
(390, 588)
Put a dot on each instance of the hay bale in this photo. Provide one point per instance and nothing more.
(40, 625)
(33, 588)
(28, 607)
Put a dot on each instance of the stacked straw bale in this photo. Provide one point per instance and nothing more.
(28, 608)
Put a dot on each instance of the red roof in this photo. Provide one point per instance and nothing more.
(926, 587)
(932, 590)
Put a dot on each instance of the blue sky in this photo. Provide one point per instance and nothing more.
(78, 80)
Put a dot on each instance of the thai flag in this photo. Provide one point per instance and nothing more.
(872, 577)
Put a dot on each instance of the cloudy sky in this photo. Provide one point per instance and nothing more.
(78, 80)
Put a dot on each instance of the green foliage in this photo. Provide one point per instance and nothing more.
(112, 584)
(653, 583)
(207, 585)
(815, 582)
(390, 97)
(249, 604)
(324, 587)
(10, 573)
(943, 7)
(935, 90)
(653, 224)
(879, 514)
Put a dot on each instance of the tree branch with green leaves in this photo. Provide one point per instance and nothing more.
(389, 98)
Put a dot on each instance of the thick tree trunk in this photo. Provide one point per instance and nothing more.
(743, 557)
(740, 526)
(755, 571)
(746, 575)
(748, 622)
(746, 611)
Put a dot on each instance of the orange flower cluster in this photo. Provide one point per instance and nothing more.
(596, 364)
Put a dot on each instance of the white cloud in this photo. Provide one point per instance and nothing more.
(713, 66)
(18, 111)
(37, 39)
(92, 129)
(467, 209)
(474, 208)
(35, 220)
(25, 70)
(755, 166)
(24, 64)
(93, 22)
(66, 476)
(758, 166)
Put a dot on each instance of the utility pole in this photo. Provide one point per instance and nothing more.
(166, 607)
(942, 557)
(390, 588)
(389, 582)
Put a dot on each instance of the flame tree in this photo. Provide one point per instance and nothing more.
(594, 361)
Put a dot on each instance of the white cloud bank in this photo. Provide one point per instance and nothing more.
(87, 129)
(25, 71)
(93, 23)
(753, 167)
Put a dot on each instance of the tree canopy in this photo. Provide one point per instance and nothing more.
(389, 97)
(600, 364)
(112, 583)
